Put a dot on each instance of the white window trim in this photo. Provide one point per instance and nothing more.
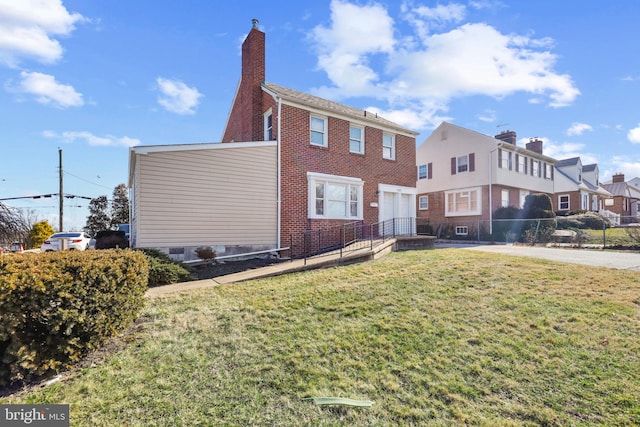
(560, 197)
(351, 125)
(266, 129)
(393, 146)
(503, 199)
(325, 135)
(314, 177)
(462, 230)
(426, 172)
(477, 211)
(420, 199)
(465, 156)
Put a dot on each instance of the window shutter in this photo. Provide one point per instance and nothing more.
(525, 165)
(552, 172)
(454, 166)
(499, 157)
(531, 167)
(429, 170)
(472, 162)
(517, 162)
(510, 161)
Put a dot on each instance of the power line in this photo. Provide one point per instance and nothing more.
(46, 196)
(86, 180)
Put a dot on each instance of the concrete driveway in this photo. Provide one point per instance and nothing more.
(620, 260)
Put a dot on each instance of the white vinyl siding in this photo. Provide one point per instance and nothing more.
(222, 196)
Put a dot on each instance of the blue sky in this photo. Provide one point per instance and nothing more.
(93, 78)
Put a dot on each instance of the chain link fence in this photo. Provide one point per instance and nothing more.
(583, 230)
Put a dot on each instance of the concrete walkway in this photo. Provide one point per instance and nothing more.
(620, 260)
(285, 267)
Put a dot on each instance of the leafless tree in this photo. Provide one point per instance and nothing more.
(14, 225)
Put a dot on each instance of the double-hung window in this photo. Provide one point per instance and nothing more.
(318, 127)
(422, 172)
(504, 201)
(522, 163)
(388, 146)
(563, 202)
(356, 139)
(463, 164)
(334, 197)
(423, 203)
(268, 126)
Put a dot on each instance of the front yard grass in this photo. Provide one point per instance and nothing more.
(436, 337)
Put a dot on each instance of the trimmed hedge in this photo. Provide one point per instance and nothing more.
(58, 306)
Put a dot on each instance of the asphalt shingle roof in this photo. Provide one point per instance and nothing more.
(325, 104)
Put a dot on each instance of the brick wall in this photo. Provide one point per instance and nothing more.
(246, 120)
(299, 156)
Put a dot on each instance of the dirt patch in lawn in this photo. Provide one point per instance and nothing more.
(208, 271)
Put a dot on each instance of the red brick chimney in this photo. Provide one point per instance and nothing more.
(245, 121)
(619, 177)
(508, 136)
(534, 145)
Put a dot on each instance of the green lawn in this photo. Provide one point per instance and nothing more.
(614, 236)
(435, 337)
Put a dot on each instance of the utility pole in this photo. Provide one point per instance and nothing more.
(61, 193)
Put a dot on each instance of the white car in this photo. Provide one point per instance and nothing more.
(74, 240)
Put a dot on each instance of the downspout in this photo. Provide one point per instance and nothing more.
(279, 179)
(278, 99)
(491, 187)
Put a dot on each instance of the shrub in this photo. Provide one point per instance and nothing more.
(587, 220)
(205, 253)
(163, 270)
(58, 306)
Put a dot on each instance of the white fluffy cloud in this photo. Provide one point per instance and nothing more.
(577, 129)
(91, 139)
(47, 90)
(177, 97)
(634, 135)
(426, 70)
(28, 29)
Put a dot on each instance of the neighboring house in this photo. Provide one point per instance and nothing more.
(577, 186)
(625, 199)
(299, 163)
(464, 176)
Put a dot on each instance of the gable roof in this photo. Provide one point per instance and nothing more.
(567, 162)
(622, 189)
(312, 101)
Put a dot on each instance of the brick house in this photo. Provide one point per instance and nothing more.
(624, 200)
(323, 164)
(577, 186)
(464, 176)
